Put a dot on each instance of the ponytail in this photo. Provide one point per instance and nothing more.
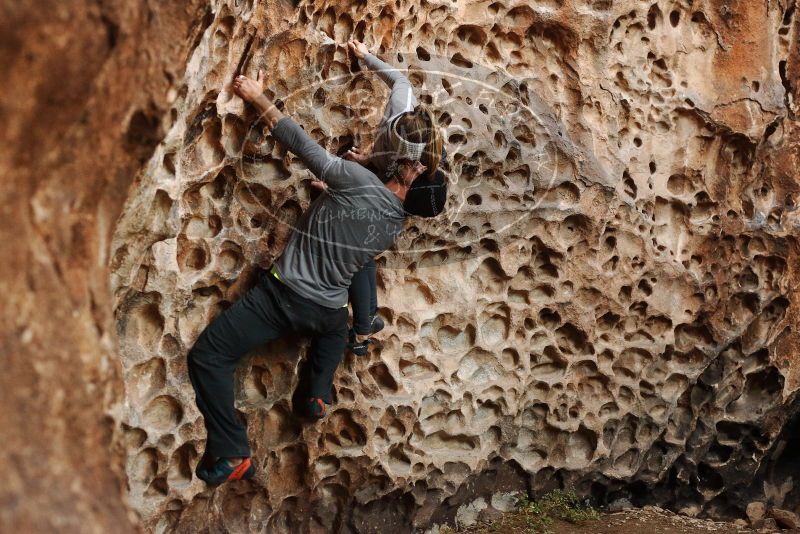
(432, 154)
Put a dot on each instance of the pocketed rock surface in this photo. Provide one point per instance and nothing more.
(609, 300)
(608, 303)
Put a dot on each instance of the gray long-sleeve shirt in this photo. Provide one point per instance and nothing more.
(356, 219)
(401, 99)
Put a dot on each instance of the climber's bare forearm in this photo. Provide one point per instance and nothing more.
(267, 110)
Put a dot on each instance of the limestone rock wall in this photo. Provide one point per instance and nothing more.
(609, 301)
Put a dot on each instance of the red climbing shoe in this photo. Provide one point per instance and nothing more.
(222, 471)
(312, 407)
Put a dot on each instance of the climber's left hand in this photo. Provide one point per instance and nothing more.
(319, 185)
(248, 88)
(358, 48)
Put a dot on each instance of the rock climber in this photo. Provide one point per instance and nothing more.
(402, 115)
(306, 289)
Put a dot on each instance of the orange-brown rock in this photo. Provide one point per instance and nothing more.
(85, 87)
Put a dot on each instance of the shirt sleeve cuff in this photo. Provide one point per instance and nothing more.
(283, 124)
(371, 60)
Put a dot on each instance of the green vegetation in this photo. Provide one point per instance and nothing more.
(557, 504)
(535, 517)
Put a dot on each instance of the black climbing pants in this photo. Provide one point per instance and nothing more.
(266, 312)
(363, 295)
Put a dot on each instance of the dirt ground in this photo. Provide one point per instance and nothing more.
(637, 521)
(647, 522)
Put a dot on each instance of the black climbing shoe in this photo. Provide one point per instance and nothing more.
(204, 463)
(359, 348)
(362, 348)
(221, 471)
(311, 407)
(377, 324)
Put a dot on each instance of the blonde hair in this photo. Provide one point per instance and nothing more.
(419, 126)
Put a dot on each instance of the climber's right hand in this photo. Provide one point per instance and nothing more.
(410, 171)
(354, 154)
(358, 48)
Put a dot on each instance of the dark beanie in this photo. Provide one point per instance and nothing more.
(427, 197)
